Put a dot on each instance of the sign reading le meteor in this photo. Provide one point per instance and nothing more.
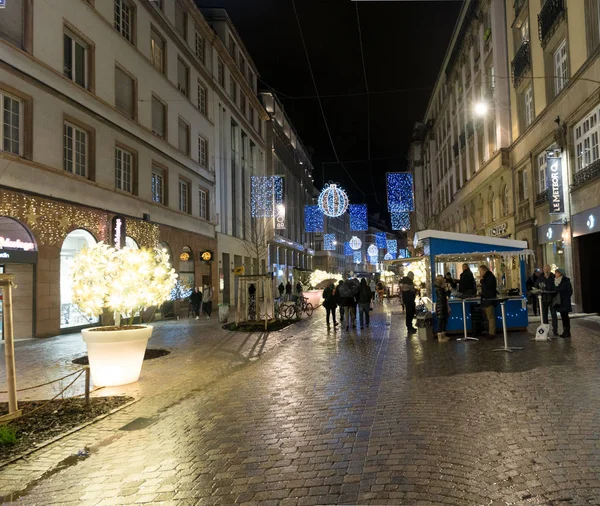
(556, 198)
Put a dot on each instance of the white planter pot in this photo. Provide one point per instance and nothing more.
(116, 356)
(223, 313)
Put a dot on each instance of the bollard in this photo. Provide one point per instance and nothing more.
(87, 386)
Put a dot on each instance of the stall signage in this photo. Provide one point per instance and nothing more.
(555, 177)
(5, 242)
(498, 230)
(118, 232)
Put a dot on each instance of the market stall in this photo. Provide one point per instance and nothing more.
(447, 251)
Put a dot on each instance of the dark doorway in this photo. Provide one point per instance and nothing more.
(589, 245)
(226, 275)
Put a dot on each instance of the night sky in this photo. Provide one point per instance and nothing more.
(404, 45)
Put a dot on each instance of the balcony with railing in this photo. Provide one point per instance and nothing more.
(551, 13)
(589, 173)
(541, 198)
(518, 5)
(521, 63)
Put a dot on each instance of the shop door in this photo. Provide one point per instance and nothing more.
(226, 277)
(589, 245)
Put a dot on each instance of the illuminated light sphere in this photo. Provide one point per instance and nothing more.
(388, 256)
(355, 243)
(333, 201)
(373, 250)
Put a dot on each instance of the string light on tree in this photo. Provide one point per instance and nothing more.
(329, 242)
(355, 243)
(313, 219)
(400, 221)
(333, 200)
(373, 251)
(380, 240)
(358, 217)
(400, 192)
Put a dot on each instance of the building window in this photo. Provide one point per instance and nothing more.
(529, 111)
(124, 19)
(560, 67)
(242, 64)
(75, 59)
(75, 149)
(199, 44)
(180, 20)
(233, 89)
(123, 170)
(158, 185)
(184, 137)
(202, 152)
(221, 73)
(158, 4)
(183, 77)
(11, 129)
(158, 51)
(202, 93)
(260, 127)
(12, 23)
(524, 30)
(505, 202)
(124, 93)
(541, 166)
(243, 104)
(158, 118)
(252, 116)
(232, 46)
(523, 185)
(586, 140)
(184, 196)
(203, 198)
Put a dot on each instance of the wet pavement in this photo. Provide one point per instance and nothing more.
(360, 417)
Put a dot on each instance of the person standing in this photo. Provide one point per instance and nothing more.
(466, 284)
(288, 291)
(373, 288)
(330, 303)
(364, 302)
(409, 296)
(489, 287)
(349, 304)
(562, 302)
(533, 300)
(449, 280)
(338, 300)
(195, 301)
(281, 289)
(298, 288)
(442, 310)
(545, 283)
(207, 296)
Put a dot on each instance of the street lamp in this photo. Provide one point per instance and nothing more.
(481, 108)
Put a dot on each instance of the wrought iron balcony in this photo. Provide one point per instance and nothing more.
(518, 5)
(455, 149)
(541, 198)
(521, 62)
(591, 172)
(549, 16)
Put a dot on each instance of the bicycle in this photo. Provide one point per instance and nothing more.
(304, 306)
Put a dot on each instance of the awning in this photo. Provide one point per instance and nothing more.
(400, 261)
(466, 257)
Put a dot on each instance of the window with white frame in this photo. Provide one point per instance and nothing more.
(183, 77)
(75, 53)
(203, 198)
(202, 94)
(158, 118)
(158, 185)
(157, 47)
(12, 25)
(586, 140)
(180, 20)
(11, 125)
(75, 149)
(184, 196)
(541, 168)
(124, 18)
(523, 185)
(528, 102)
(561, 74)
(123, 170)
(199, 45)
(221, 73)
(202, 152)
(124, 93)
(184, 137)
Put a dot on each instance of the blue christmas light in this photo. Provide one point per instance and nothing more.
(266, 192)
(390, 256)
(404, 253)
(392, 246)
(333, 201)
(357, 257)
(400, 192)
(329, 243)
(348, 250)
(373, 260)
(400, 221)
(380, 240)
(313, 219)
(358, 217)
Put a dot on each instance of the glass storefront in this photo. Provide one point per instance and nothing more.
(554, 255)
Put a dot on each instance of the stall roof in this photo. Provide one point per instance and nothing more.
(478, 239)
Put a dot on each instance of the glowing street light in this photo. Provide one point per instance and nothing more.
(481, 108)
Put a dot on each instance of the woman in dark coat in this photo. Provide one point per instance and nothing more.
(450, 281)
(330, 303)
(562, 301)
(196, 300)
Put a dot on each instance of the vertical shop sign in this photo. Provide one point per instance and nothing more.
(556, 198)
(118, 232)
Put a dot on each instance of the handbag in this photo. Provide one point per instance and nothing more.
(556, 301)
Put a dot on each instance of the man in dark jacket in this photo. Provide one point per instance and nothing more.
(330, 303)
(281, 289)
(545, 283)
(533, 300)
(562, 302)
(488, 291)
(364, 301)
(466, 284)
(288, 291)
(409, 295)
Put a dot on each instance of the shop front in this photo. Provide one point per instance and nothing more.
(586, 237)
(551, 241)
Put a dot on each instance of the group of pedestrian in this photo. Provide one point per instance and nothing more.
(347, 304)
(555, 290)
(202, 301)
(287, 289)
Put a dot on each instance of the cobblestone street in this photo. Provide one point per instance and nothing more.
(366, 416)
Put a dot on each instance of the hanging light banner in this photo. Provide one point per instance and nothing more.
(358, 217)
(400, 192)
(380, 240)
(348, 251)
(313, 219)
(329, 242)
(266, 194)
(400, 221)
(280, 217)
(392, 246)
(556, 199)
(357, 257)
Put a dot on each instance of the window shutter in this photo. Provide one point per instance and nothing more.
(123, 92)
(12, 23)
(182, 76)
(158, 118)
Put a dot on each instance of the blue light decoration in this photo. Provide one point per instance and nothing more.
(313, 219)
(373, 260)
(404, 253)
(348, 250)
(357, 257)
(392, 246)
(400, 221)
(390, 256)
(358, 217)
(329, 243)
(400, 192)
(380, 240)
(333, 200)
(373, 251)
(266, 192)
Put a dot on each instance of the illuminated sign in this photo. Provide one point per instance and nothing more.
(6, 243)
(591, 222)
(498, 230)
(184, 257)
(280, 217)
(118, 232)
(556, 198)
(207, 256)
